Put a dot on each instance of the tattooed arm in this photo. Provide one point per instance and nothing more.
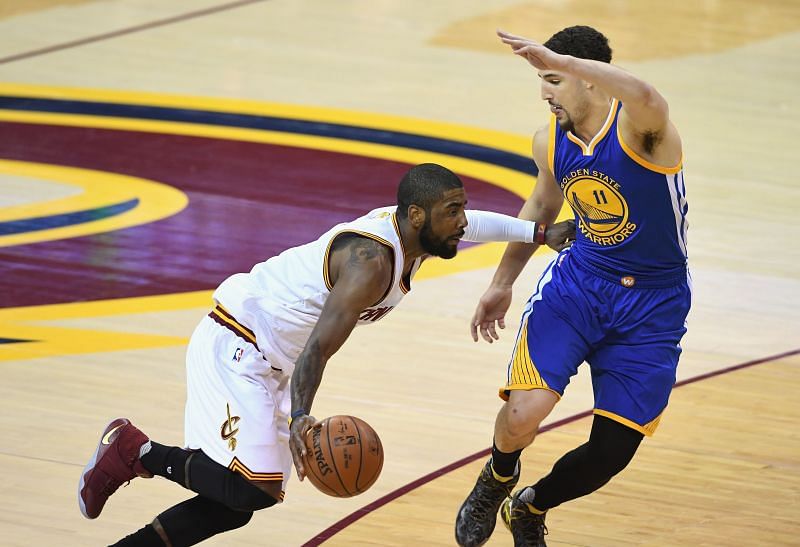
(360, 272)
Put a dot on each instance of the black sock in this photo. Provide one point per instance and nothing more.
(504, 463)
(145, 537)
(167, 461)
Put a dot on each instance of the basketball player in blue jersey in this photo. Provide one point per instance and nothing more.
(617, 298)
(245, 423)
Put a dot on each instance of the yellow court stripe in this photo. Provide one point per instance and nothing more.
(509, 179)
(31, 323)
(100, 188)
(111, 307)
(464, 133)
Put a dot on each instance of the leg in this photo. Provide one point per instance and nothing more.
(515, 428)
(633, 371)
(610, 448)
(518, 420)
(192, 521)
(234, 423)
(227, 499)
(197, 472)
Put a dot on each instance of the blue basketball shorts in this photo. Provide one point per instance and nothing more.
(630, 337)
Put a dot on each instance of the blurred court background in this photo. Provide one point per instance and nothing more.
(149, 149)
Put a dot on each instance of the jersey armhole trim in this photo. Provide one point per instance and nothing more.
(643, 162)
(326, 265)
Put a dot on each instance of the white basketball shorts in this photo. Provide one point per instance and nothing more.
(237, 406)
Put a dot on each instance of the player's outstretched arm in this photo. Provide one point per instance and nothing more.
(644, 120)
(646, 105)
(361, 272)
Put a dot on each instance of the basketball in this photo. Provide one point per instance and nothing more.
(343, 457)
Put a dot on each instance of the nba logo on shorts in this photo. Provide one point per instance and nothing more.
(237, 355)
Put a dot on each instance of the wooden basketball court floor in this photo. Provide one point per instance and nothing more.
(149, 149)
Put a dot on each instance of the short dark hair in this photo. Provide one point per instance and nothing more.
(423, 185)
(581, 41)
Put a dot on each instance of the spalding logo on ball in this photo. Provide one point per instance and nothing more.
(344, 456)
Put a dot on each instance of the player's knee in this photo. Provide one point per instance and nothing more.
(610, 462)
(519, 425)
(525, 410)
(231, 520)
(246, 496)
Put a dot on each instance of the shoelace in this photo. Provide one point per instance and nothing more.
(483, 503)
(528, 522)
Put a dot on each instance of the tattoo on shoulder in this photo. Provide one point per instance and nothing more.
(363, 249)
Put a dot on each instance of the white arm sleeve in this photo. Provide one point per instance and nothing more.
(487, 226)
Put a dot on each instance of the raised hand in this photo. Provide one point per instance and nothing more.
(536, 54)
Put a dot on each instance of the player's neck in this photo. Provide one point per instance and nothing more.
(410, 238)
(594, 120)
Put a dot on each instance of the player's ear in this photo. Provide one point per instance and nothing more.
(416, 216)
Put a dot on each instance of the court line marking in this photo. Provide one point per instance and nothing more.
(46, 340)
(155, 201)
(350, 519)
(129, 30)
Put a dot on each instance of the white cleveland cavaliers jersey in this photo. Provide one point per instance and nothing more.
(281, 299)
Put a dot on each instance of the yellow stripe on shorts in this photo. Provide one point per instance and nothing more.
(523, 371)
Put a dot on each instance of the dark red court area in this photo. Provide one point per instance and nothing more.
(247, 202)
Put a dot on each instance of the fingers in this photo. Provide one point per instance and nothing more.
(488, 330)
(299, 431)
(508, 36)
(298, 461)
(485, 332)
(492, 332)
(564, 245)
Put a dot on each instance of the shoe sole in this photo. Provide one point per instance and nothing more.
(90, 466)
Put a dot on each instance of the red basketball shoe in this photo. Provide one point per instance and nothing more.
(115, 461)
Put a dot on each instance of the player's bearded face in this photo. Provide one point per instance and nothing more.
(443, 247)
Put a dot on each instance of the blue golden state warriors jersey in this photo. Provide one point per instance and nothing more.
(630, 214)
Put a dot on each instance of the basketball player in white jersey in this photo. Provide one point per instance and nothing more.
(244, 423)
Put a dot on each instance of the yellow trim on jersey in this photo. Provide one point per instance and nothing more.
(228, 318)
(403, 287)
(237, 466)
(551, 144)
(522, 387)
(647, 429)
(588, 150)
(643, 162)
(326, 269)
